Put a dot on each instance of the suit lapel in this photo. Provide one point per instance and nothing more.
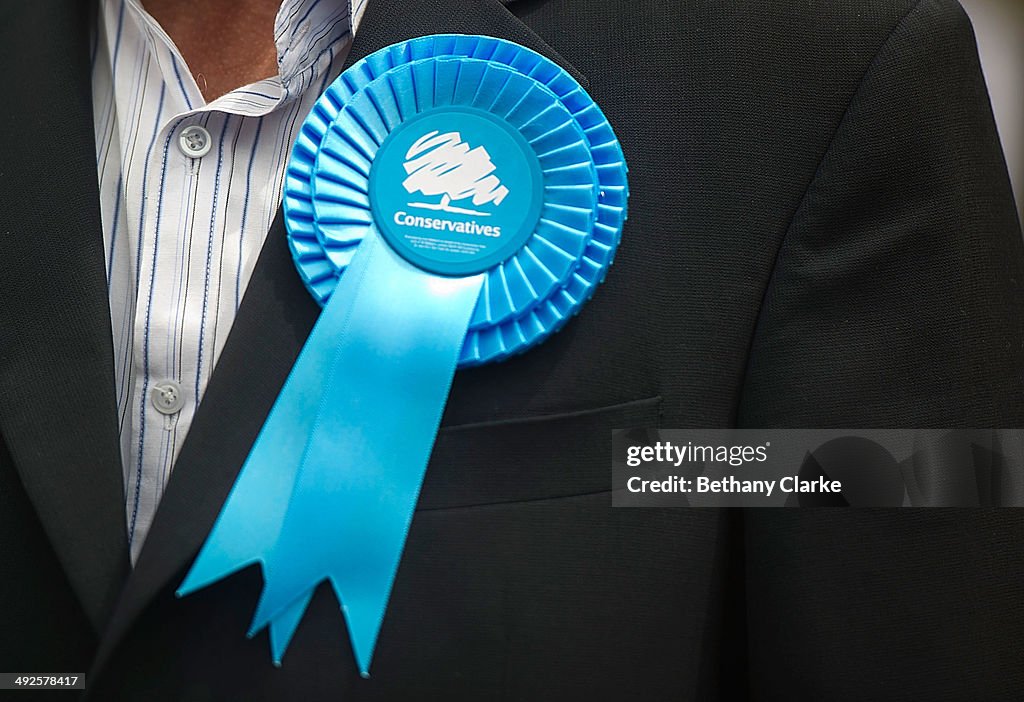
(58, 413)
(272, 324)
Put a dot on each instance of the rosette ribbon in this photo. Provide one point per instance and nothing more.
(451, 200)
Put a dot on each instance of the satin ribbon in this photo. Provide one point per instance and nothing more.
(329, 488)
(344, 449)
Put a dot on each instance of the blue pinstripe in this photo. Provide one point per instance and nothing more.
(199, 235)
(149, 307)
(209, 258)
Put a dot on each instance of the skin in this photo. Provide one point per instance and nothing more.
(226, 43)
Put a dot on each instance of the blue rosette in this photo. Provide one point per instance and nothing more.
(450, 201)
(531, 295)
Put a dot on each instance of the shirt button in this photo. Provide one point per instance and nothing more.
(167, 397)
(194, 141)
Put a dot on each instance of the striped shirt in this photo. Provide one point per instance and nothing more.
(183, 233)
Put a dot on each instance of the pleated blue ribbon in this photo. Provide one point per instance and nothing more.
(451, 200)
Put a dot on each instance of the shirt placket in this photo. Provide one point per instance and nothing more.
(164, 397)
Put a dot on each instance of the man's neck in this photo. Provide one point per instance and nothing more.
(226, 43)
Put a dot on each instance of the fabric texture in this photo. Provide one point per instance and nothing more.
(182, 234)
(821, 234)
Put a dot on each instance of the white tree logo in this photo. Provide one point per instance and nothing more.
(443, 164)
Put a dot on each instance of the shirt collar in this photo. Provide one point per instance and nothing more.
(308, 34)
(305, 30)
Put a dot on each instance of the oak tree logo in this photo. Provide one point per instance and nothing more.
(443, 164)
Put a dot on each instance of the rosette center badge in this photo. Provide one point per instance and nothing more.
(450, 201)
(456, 201)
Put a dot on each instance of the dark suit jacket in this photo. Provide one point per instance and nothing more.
(821, 234)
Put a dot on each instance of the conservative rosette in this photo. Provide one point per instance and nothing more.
(450, 201)
(530, 294)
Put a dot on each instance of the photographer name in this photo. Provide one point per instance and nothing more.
(731, 485)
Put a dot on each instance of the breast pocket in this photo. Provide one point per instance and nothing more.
(513, 460)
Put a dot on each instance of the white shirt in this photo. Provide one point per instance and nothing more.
(183, 233)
